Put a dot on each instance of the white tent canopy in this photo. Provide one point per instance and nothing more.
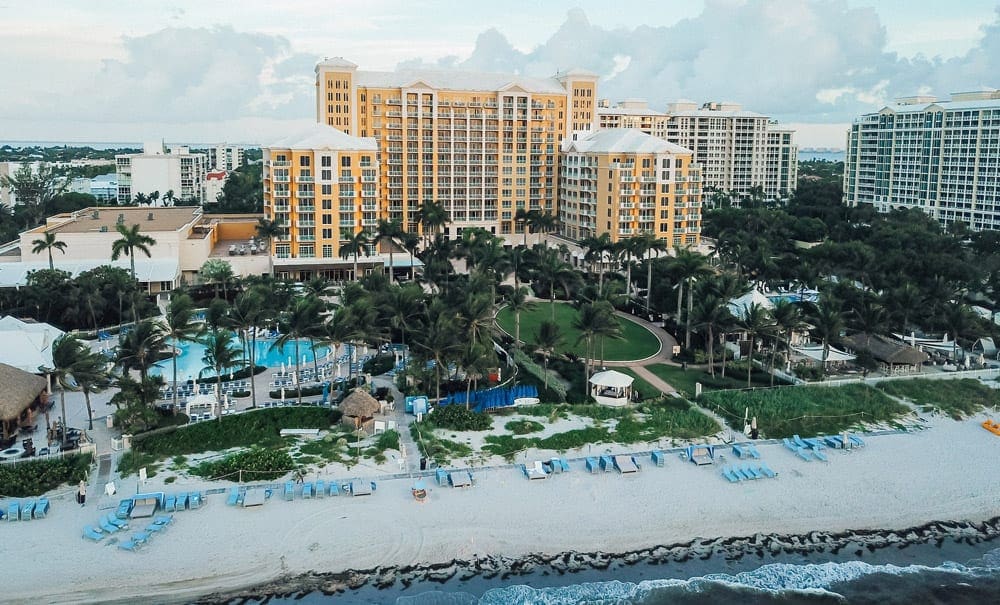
(27, 346)
(815, 352)
(738, 306)
(611, 378)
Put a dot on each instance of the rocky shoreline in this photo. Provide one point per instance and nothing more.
(491, 567)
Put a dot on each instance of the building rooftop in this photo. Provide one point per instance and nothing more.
(628, 111)
(148, 270)
(716, 113)
(456, 80)
(944, 105)
(620, 140)
(321, 136)
(150, 219)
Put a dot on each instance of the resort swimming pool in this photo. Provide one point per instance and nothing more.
(190, 364)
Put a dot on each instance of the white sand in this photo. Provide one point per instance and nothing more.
(945, 473)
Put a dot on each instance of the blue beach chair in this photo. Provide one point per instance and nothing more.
(42, 508)
(658, 458)
(799, 441)
(234, 496)
(182, 501)
(607, 463)
(307, 490)
(320, 488)
(106, 526)
(751, 471)
(289, 490)
(119, 524)
(592, 465)
(857, 441)
(130, 545)
(334, 488)
(820, 455)
(729, 475)
(13, 511)
(194, 500)
(170, 503)
(124, 508)
(767, 472)
(27, 510)
(92, 533)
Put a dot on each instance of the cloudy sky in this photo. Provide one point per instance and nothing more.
(197, 71)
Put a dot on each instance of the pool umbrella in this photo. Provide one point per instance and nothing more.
(282, 393)
(282, 367)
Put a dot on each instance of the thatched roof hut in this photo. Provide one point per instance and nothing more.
(20, 391)
(359, 407)
(360, 404)
(894, 357)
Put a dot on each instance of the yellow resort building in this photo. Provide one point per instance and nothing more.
(623, 182)
(484, 145)
(321, 186)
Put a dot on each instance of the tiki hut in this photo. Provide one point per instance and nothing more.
(23, 394)
(892, 357)
(359, 409)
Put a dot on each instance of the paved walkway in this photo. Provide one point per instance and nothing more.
(667, 343)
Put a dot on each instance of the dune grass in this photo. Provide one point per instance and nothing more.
(805, 411)
(671, 418)
(957, 398)
(637, 342)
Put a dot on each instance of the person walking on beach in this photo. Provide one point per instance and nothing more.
(81, 493)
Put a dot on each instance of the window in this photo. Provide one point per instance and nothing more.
(345, 161)
(327, 233)
(326, 189)
(304, 161)
(327, 204)
(327, 249)
(326, 161)
(327, 219)
(325, 175)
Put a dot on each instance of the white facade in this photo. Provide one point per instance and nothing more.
(224, 157)
(738, 150)
(942, 157)
(160, 170)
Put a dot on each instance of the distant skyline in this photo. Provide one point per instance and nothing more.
(202, 72)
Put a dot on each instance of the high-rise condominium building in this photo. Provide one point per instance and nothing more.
(225, 157)
(738, 150)
(940, 156)
(482, 144)
(158, 169)
(321, 187)
(624, 182)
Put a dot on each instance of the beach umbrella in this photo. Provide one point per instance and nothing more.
(295, 379)
(328, 352)
(289, 360)
(282, 393)
(282, 367)
(338, 369)
(753, 423)
(303, 360)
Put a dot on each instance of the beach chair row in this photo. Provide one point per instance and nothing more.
(168, 503)
(27, 510)
(747, 472)
(110, 524)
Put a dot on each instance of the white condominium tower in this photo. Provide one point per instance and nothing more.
(739, 151)
(940, 156)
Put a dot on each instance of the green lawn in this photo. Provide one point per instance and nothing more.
(957, 398)
(806, 411)
(684, 380)
(645, 390)
(637, 341)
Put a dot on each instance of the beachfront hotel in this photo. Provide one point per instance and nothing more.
(942, 157)
(623, 182)
(738, 150)
(321, 186)
(484, 145)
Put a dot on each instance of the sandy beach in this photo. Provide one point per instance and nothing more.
(902, 480)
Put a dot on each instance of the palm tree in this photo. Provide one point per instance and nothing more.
(354, 244)
(411, 242)
(552, 270)
(91, 375)
(477, 313)
(525, 218)
(180, 327)
(67, 352)
(46, 244)
(588, 323)
(297, 323)
(432, 216)
(869, 317)
(131, 240)
(607, 325)
(476, 360)
(548, 338)
(756, 321)
(389, 231)
(596, 249)
(439, 339)
(139, 348)
(518, 302)
(688, 266)
(787, 320)
(543, 223)
(904, 300)
(244, 316)
(221, 354)
(647, 243)
(268, 231)
(827, 321)
(169, 198)
(957, 318)
(709, 315)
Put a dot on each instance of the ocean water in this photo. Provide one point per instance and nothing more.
(829, 156)
(951, 573)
